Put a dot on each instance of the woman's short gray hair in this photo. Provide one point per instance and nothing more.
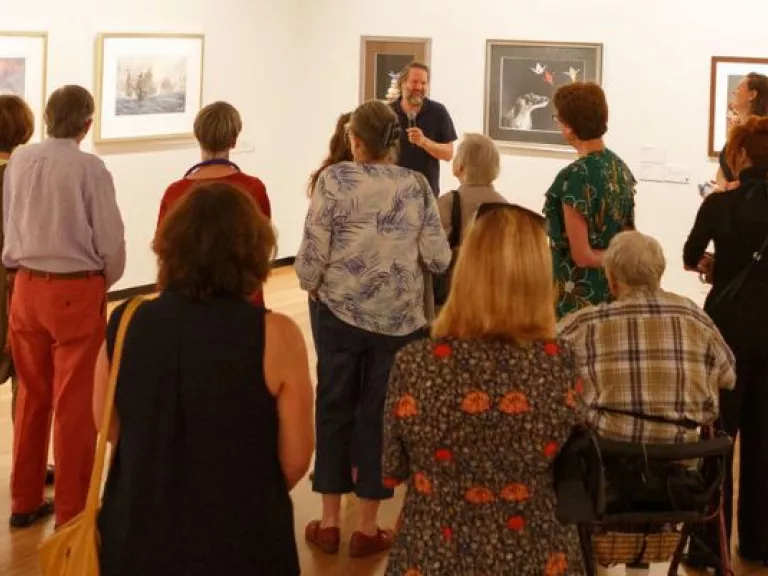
(635, 260)
(479, 157)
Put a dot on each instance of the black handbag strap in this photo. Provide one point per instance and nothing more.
(454, 238)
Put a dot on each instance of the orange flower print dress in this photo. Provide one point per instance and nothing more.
(471, 428)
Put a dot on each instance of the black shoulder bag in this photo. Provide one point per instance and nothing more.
(734, 285)
(441, 283)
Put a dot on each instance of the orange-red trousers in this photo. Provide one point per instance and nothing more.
(56, 329)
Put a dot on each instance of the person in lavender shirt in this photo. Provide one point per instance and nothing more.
(371, 229)
(64, 237)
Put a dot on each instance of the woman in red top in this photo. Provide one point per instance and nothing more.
(217, 128)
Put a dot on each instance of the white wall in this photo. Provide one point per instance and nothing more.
(656, 75)
(291, 66)
(250, 54)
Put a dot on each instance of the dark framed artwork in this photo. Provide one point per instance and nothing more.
(520, 81)
(382, 58)
(726, 73)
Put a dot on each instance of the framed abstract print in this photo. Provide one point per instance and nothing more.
(23, 69)
(521, 79)
(148, 86)
(381, 60)
(726, 73)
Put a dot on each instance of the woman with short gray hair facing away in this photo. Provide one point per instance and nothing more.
(476, 166)
(370, 229)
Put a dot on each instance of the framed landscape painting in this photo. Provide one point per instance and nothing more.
(23, 57)
(148, 86)
(381, 60)
(521, 79)
(726, 73)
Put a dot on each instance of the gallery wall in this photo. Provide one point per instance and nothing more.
(250, 52)
(656, 74)
(291, 66)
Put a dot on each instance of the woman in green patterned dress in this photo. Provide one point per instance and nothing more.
(590, 201)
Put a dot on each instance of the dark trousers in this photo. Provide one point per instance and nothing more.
(744, 412)
(352, 377)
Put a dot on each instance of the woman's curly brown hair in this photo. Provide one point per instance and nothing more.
(214, 242)
(751, 135)
(583, 107)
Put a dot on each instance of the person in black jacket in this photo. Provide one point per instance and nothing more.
(737, 223)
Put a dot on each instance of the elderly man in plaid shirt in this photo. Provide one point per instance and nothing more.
(652, 362)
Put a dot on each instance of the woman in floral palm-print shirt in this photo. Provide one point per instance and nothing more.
(475, 416)
(591, 200)
(370, 228)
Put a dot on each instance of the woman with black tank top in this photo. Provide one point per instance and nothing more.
(737, 223)
(213, 406)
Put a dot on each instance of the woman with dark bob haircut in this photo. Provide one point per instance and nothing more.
(590, 201)
(213, 410)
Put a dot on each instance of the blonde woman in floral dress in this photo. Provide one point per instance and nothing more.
(590, 201)
(475, 416)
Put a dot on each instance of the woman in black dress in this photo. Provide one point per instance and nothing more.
(213, 406)
(737, 223)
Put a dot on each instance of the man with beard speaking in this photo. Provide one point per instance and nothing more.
(427, 137)
(428, 132)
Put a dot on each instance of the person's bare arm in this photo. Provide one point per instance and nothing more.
(578, 238)
(439, 150)
(100, 385)
(286, 369)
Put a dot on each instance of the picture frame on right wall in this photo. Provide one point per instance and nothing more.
(521, 78)
(726, 73)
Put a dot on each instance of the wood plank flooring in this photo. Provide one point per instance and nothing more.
(18, 550)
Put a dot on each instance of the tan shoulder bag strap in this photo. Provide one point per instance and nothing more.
(94, 490)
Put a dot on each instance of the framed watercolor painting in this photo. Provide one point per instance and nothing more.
(520, 81)
(726, 73)
(23, 70)
(381, 60)
(148, 86)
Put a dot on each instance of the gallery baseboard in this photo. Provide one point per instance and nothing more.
(125, 293)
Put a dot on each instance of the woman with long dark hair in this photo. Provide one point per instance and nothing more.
(338, 150)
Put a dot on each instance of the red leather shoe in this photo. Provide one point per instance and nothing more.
(363, 545)
(327, 539)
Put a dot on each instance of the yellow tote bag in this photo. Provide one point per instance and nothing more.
(73, 549)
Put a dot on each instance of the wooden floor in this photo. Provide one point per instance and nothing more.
(18, 555)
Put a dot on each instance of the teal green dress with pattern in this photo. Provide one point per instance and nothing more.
(601, 188)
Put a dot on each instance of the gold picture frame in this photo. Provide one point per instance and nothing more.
(149, 87)
(19, 49)
(381, 57)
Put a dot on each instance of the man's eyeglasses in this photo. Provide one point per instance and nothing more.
(488, 207)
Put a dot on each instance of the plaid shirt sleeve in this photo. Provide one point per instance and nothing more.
(723, 363)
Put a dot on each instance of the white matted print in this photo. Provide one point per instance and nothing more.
(23, 57)
(726, 74)
(149, 86)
